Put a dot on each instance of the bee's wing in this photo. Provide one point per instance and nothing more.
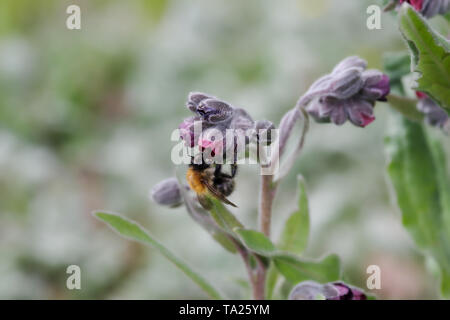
(217, 194)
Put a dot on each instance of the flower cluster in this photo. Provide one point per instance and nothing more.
(434, 115)
(429, 8)
(215, 121)
(348, 92)
(311, 290)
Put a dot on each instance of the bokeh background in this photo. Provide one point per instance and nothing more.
(85, 123)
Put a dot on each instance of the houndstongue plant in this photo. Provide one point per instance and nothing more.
(219, 134)
(213, 134)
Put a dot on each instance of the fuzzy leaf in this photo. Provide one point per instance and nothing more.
(417, 172)
(296, 270)
(430, 55)
(412, 173)
(256, 241)
(443, 180)
(294, 237)
(132, 230)
(271, 281)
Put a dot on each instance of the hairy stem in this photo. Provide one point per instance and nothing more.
(265, 203)
(257, 276)
(245, 257)
(260, 280)
(266, 196)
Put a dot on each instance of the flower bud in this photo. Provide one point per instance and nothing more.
(214, 111)
(190, 130)
(376, 85)
(346, 83)
(360, 112)
(264, 131)
(416, 4)
(307, 290)
(349, 92)
(287, 124)
(346, 292)
(194, 98)
(350, 62)
(241, 120)
(167, 193)
(311, 290)
(212, 140)
(434, 115)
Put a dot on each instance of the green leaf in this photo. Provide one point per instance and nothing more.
(413, 176)
(430, 55)
(443, 180)
(271, 280)
(294, 237)
(224, 241)
(132, 230)
(223, 217)
(296, 270)
(417, 170)
(406, 106)
(256, 241)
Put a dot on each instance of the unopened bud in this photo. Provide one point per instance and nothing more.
(311, 290)
(264, 131)
(214, 111)
(194, 98)
(167, 193)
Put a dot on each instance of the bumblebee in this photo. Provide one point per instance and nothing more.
(204, 180)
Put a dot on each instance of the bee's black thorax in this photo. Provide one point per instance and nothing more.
(199, 167)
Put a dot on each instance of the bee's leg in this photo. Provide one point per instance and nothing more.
(233, 170)
(218, 170)
(234, 165)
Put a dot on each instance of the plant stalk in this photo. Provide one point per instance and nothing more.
(266, 196)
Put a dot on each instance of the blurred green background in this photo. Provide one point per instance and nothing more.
(85, 123)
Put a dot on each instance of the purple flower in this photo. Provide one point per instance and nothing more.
(212, 140)
(311, 290)
(346, 292)
(349, 92)
(190, 130)
(376, 85)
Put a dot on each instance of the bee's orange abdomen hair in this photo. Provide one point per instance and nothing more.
(194, 179)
